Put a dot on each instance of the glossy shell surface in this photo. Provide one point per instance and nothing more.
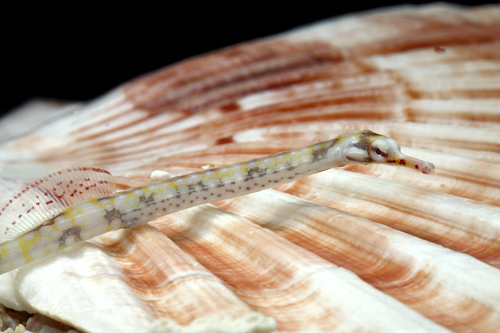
(360, 248)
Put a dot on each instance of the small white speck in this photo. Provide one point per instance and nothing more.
(158, 175)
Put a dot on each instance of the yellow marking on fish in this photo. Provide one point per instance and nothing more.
(70, 215)
(27, 244)
(55, 227)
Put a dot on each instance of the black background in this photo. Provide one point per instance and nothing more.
(78, 53)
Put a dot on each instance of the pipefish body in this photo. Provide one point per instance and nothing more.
(77, 204)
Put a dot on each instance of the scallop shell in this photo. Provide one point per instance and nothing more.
(360, 248)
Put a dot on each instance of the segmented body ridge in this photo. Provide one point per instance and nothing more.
(140, 205)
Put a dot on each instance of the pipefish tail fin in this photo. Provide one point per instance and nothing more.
(34, 204)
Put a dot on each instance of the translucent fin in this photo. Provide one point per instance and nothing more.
(320, 138)
(40, 201)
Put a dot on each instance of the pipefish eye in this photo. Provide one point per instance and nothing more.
(380, 150)
(377, 154)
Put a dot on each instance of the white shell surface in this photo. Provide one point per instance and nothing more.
(362, 248)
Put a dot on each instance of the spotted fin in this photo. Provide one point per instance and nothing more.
(39, 201)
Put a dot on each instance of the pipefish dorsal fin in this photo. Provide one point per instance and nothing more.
(320, 138)
(34, 204)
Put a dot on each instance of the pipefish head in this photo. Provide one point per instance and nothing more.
(367, 147)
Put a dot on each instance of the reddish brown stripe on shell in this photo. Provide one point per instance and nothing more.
(166, 89)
